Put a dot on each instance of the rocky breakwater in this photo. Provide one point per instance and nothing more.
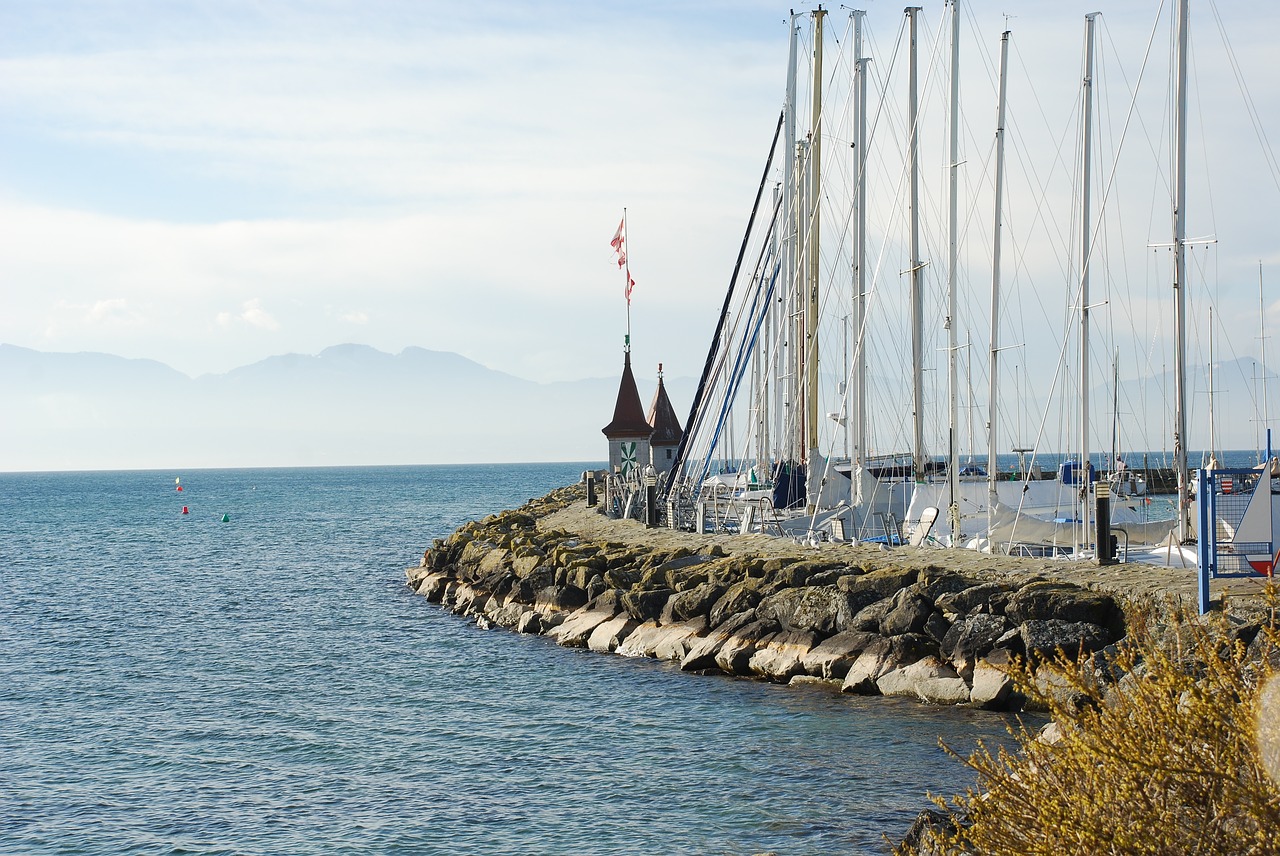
(938, 635)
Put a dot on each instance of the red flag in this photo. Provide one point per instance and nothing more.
(617, 244)
(631, 283)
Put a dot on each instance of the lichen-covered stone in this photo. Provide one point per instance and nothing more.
(832, 657)
(820, 609)
(737, 599)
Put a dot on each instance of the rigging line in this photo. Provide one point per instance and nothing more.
(1267, 152)
(738, 371)
(1115, 163)
(697, 399)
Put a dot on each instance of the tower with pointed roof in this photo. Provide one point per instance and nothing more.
(666, 428)
(629, 432)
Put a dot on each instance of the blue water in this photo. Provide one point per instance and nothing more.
(180, 684)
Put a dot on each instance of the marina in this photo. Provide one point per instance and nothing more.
(797, 426)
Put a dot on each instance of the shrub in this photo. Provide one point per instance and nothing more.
(1154, 750)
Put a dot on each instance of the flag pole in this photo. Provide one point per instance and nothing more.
(627, 284)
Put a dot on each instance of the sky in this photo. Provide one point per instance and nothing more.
(210, 183)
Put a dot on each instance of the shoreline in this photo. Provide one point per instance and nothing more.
(932, 624)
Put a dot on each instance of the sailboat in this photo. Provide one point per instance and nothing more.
(777, 440)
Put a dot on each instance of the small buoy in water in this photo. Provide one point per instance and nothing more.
(226, 518)
(184, 510)
(179, 487)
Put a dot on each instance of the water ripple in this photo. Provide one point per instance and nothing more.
(177, 684)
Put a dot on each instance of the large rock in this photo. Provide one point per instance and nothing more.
(680, 639)
(781, 657)
(663, 641)
(507, 614)
(524, 565)
(432, 586)
(866, 589)
(909, 613)
(737, 599)
(734, 656)
(702, 654)
(532, 622)
(559, 598)
(1041, 601)
(974, 636)
(869, 617)
(696, 601)
(644, 605)
(609, 635)
(819, 609)
(577, 628)
(1043, 639)
(678, 573)
(831, 658)
(991, 685)
(928, 679)
(468, 600)
(883, 656)
(986, 597)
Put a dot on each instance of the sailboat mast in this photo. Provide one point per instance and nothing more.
(787, 350)
(1086, 237)
(815, 200)
(1180, 282)
(953, 344)
(1262, 346)
(858, 400)
(1213, 439)
(917, 283)
(992, 398)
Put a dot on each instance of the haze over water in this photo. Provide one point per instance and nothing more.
(175, 684)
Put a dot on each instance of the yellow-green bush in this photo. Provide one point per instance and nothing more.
(1166, 760)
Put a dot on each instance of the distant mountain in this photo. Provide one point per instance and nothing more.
(349, 404)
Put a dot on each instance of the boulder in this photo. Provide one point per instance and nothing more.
(869, 617)
(609, 635)
(734, 656)
(523, 566)
(469, 601)
(578, 626)
(494, 563)
(974, 636)
(991, 685)
(866, 589)
(934, 583)
(832, 657)
(909, 613)
(561, 598)
(820, 609)
(506, 615)
(695, 601)
(991, 597)
(737, 599)
(781, 657)
(882, 656)
(530, 622)
(679, 639)
(644, 605)
(702, 654)
(1043, 639)
(1041, 601)
(928, 679)
(432, 586)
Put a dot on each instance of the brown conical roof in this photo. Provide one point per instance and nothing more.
(662, 416)
(628, 412)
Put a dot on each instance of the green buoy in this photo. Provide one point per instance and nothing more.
(226, 518)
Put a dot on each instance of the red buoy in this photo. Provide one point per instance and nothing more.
(184, 510)
(179, 487)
